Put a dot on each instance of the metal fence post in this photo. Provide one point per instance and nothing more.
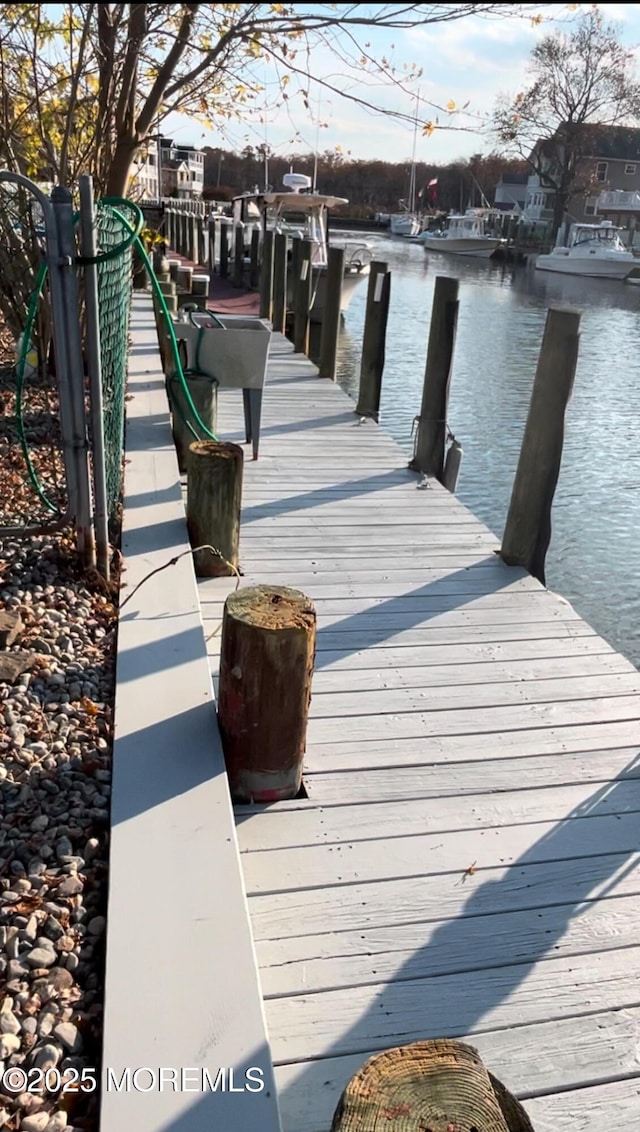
(66, 324)
(89, 250)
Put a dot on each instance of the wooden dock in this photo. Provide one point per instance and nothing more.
(466, 861)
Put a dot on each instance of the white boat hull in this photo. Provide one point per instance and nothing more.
(406, 226)
(592, 267)
(481, 248)
(353, 277)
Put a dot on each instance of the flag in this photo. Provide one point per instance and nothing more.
(432, 190)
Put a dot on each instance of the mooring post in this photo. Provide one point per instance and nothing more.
(224, 249)
(254, 266)
(279, 315)
(330, 333)
(266, 668)
(527, 531)
(238, 256)
(373, 342)
(266, 276)
(214, 498)
(302, 297)
(212, 245)
(431, 425)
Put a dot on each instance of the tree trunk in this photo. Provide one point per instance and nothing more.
(120, 168)
(266, 666)
(559, 209)
(430, 1086)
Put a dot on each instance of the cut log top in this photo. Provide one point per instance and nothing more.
(271, 607)
(430, 1086)
(222, 450)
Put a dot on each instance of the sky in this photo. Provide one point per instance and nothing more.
(470, 60)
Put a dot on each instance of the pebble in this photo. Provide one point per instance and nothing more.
(41, 957)
(36, 1122)
(9, 1043)
(69, 1036)
(47, 1057)
(55, 777)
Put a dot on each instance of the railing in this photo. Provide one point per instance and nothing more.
(619, 200)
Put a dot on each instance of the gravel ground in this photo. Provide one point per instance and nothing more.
(57, 657)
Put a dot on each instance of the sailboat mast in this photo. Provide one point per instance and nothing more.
(412, 181)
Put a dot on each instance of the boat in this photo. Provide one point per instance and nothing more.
(298, 211)
(465, 234)
(407, 223)
(593, 250)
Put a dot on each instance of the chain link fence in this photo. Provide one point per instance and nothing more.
(63, 401)
(114, 305)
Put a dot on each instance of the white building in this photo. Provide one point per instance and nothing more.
(144, 175)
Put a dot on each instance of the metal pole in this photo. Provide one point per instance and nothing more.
(59, 341)
(69, 329)
(89, 250)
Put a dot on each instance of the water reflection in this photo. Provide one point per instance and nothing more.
(595, 548)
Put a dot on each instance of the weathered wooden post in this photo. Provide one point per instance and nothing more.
(212, 246)
(431, 425)
(303, 297)
(184, 220)
(203, 391)
(527, 531)
(214, 497)
(431, 1085)
(224, 249)
(254, 268)
(266, 668)
(330, 333)
(279, 310)
(266, 275)
(238, 260)
(373, 342)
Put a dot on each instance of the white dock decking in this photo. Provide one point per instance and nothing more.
(466, 862)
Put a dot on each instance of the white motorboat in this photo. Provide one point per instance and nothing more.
(594, 250)
(465, 234)
(404, 224)
(300, 212)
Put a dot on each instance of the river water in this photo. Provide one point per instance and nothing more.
(594, 558)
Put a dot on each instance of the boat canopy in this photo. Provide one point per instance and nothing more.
(302, 202)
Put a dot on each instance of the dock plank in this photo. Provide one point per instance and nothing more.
(531, 1061)
(462, 715)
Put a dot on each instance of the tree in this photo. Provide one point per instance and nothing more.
(84, 85)
(579, 80)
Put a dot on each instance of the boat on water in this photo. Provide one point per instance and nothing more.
(404, 224)
(465, 234)
(593, 250)
(298, 211)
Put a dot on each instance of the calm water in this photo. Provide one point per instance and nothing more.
(594, 559)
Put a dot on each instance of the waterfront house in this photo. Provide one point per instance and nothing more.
(610, 161)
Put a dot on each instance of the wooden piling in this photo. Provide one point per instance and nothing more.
(331, 314)
(266, 275)
(203, 391)
(224, 249)
(431, 425)
(214, 497)
(266, 668)
(212, 246)
(303, 297)
(436, 1084)
(238, 256)
(527, 531)
(254, 268)
(279, 309)
(373, 342)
